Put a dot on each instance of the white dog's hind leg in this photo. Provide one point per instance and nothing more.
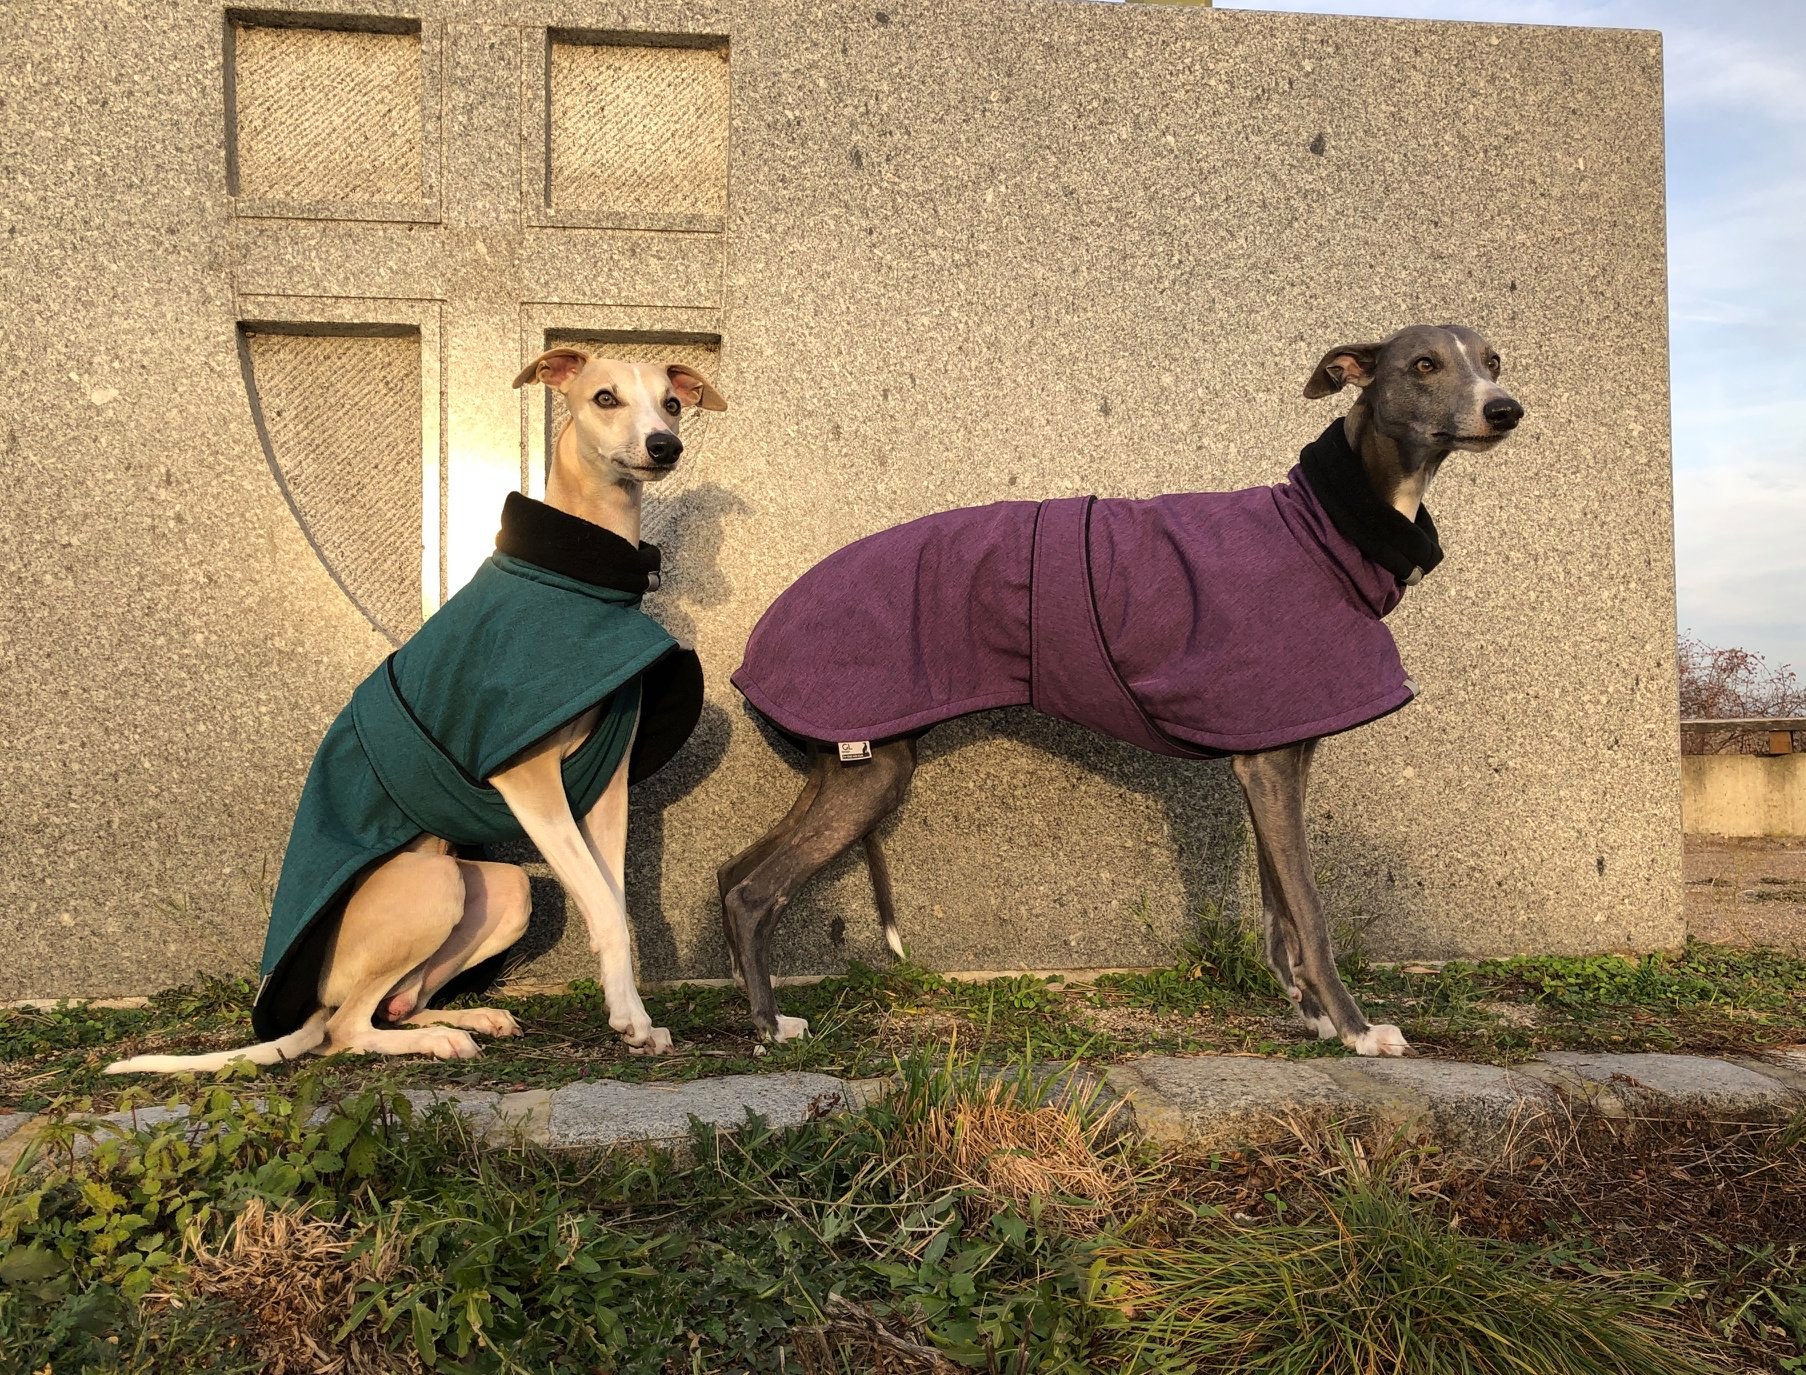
(396, 923)
(497, 904)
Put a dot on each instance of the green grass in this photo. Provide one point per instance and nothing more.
(1217, 997)
(1372, 1281)
(846, 1243)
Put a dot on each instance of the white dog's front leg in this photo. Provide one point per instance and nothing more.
(605, 834)
(592, 873)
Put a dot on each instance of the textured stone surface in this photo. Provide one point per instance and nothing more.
(10, 1122)
(1478, 1106)
(603, 1112)
(1222, 1100)
(1690, 1080)
(971, 250)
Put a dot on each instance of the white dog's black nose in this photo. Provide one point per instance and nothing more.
(1502, 413)
(663, 447)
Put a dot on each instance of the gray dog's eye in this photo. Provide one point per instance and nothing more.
(605, 399)
(1424, 366)
(671, 405)
(1493, 364)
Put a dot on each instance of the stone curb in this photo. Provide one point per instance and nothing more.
(1208, 1101)
(1219, 1102)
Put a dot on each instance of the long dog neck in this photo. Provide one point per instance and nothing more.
(1398, 478)
(576, 489)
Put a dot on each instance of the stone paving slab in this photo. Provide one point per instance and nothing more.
(1221, 1100)
(1207, 1101)
(602, 1112)
(1788, 1066)
(1694, 1082)
(1476, 1106)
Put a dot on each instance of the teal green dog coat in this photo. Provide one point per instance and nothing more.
(548, 628)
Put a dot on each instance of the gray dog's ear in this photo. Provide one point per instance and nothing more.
(693, 389)
(555, 367)
(1340, 366)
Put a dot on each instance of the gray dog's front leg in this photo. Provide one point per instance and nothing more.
(1273, 781)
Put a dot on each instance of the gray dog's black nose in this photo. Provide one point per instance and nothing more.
(1502, 413)
(663, 447)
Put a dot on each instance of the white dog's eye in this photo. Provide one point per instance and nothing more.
(671, 405)
(606, 399)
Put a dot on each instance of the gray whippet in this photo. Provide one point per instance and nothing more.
(1353, 523)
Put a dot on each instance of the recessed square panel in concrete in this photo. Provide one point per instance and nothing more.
(340, 417)
(639, 130)
(326, 114)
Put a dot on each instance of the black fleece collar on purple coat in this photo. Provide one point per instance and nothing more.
(1406, 549)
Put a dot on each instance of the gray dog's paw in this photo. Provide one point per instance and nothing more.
(1381, 1039)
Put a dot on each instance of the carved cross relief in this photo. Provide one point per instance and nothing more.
(421, 204)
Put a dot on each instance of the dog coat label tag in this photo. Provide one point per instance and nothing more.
(853, 751)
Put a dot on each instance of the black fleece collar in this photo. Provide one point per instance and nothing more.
(1406, 549)
(536, 533)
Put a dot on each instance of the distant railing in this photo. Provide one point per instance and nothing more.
(1742, 735)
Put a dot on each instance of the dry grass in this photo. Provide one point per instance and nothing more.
(1003, 1142)
(293, 1280)
(853, 1338)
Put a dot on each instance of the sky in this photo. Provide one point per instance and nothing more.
(1735, 86)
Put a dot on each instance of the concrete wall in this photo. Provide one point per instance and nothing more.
(268, 279)
(1744, 794)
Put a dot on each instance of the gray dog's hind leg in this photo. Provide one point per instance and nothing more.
(1273, 782)
(852, 799)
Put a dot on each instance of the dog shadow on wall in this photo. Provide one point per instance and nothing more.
(1205, 840)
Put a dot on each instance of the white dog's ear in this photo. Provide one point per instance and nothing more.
(1342, 366)
(693, 389)
(555, 367)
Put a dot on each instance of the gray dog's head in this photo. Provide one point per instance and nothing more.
(1430, 389)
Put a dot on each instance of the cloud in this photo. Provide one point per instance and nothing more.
(1739, 522)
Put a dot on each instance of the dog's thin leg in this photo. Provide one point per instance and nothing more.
(533, 788)
(1282, 949)
(395, 921)
(853, 799)
(730, 875)
(497, 904)
(604, 832)
(1273, 782)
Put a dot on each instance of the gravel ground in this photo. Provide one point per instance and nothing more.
(1747, 892)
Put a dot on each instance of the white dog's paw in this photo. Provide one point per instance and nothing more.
(657, 1041)
(1381, 1039)
(449, 1043)
(791, 1028)
(489, 1021)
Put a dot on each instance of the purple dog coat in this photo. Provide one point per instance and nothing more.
(1191, 625)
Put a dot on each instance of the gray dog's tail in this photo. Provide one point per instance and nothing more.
(887, 907)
